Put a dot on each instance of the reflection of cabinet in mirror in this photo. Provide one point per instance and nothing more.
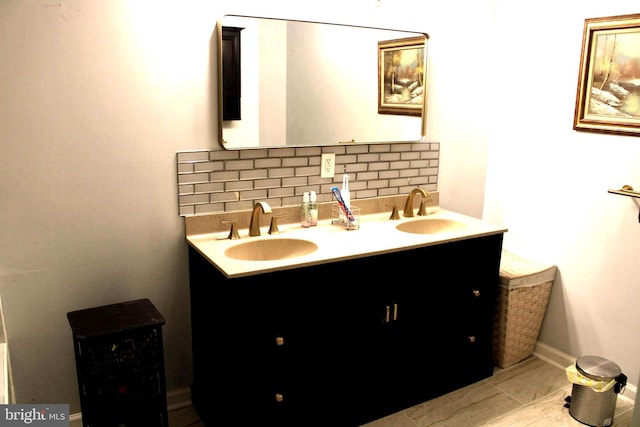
(231, 82)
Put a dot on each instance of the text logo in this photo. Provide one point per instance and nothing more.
(53, 415)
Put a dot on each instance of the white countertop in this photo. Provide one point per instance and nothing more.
(377, 235)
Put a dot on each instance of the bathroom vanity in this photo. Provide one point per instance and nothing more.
(346, 338)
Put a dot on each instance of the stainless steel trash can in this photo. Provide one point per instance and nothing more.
(596, 384)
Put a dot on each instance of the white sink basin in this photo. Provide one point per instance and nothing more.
(270, 249)
(431, 226)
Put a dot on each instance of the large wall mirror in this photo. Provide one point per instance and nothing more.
(300, 83)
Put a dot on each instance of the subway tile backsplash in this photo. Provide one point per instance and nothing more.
(213, 181)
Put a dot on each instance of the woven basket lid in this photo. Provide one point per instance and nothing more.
(517, 272)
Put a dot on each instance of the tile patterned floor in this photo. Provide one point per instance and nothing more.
(530, 394)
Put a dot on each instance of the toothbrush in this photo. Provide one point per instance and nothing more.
(344, 207)
(346, 195)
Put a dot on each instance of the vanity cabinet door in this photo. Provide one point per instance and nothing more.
(318, 352)
(232, 368)
(394, 304)
(282, 345)
(429, 326)
(467, 293)
(413, 338)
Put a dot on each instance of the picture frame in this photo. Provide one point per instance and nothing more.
(402, 78)
(608, 94)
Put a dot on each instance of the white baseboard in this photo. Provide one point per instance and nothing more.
(75, 420)
(176, 399)
(553, 356)
(557, 358)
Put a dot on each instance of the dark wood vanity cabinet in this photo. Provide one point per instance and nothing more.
(346, 342)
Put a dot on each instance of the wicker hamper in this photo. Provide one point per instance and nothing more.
(522, 301)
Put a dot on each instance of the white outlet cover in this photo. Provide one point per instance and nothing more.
(328, 165)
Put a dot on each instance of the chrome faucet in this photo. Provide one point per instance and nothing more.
(408, 206)
(254, 223)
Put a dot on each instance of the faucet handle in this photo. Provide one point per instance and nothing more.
(394, 213)
(273, 228)
(423, 210)
(233, 232)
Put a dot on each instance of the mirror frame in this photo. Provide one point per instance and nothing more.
(220, 83)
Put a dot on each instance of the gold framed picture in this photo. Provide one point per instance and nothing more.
(402, 80)
(608, 95)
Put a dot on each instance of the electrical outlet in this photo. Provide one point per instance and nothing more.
(328, 165)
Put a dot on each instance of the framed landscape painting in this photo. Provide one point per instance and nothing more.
(608, 95)
(401, 76)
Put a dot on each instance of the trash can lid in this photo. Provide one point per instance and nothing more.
(597, 368)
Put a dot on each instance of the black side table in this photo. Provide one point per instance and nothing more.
(120, 364)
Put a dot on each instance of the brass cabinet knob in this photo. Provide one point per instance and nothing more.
(476, 293)
(279, 397)
(471, 338)
(279, 341)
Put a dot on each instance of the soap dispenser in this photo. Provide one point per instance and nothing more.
(313, 209)
(305, 214)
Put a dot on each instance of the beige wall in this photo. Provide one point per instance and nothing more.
(97, 98)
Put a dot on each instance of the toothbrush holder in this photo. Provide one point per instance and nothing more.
(338, 217)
